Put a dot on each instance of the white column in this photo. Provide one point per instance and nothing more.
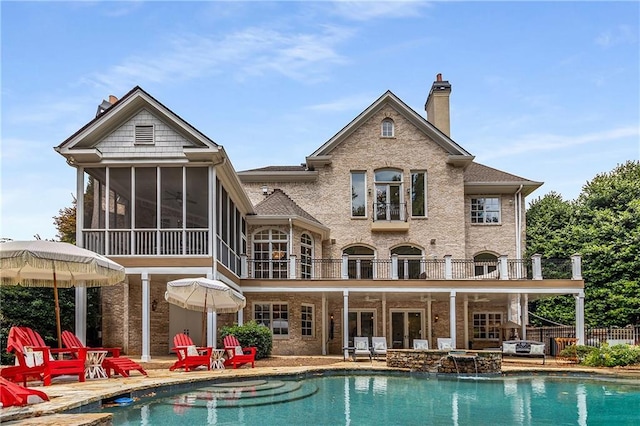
(452, 318)
(146, 322)
(429, 335)
(466, 321)
(580, 318)
(241, 317)
(79, 206)
(81, 314)
(503, 267)
(384, 316)
(537, 266)
(212, 323)
(576, 267)
(394, 266)
(448, 267)
(325, 319)
(345, 322)
(523, 316)
(345, 267)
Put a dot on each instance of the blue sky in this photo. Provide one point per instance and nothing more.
(545, 90)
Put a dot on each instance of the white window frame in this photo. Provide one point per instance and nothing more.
(308, 323)
(306, 256)
(480, 216)
(387, 128)
(275, 331)
(426, 210)
(275, 264)
(488, 331)
(364, 192)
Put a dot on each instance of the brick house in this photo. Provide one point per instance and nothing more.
(388, 229)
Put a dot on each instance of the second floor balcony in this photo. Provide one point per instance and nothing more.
(396, 268)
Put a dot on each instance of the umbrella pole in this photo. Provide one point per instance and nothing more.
(57, 308)
(203, 337)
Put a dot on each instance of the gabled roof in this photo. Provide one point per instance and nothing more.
(457, 155)
(278, 207)
(81, 146)
(479, 178)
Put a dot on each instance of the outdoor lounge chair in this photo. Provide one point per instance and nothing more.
(236, 354)
(420, 344)
(378, 347)
(114, 364)
(35, 358)
(361, 347)
(445, 343)
(190, 356)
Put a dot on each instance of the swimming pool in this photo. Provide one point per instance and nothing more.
(393, 400)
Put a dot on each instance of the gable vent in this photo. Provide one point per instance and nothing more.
(144, 134)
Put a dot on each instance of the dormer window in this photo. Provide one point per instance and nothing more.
(387, 128)
(144, 134)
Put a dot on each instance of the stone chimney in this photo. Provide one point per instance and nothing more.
(437, 105)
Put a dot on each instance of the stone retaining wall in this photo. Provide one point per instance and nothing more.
(435, 361)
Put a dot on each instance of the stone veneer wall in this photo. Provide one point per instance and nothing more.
(434, 361)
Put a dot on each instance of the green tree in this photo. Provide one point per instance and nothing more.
(603, 225)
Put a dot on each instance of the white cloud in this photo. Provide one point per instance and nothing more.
(550, 142)
(365, 10)
(349, 103)
(253, 51)
(623, 34)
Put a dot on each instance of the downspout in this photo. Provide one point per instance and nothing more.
(518, 220)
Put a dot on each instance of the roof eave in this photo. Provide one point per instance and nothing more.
(278, 176)
(257, 220)
(501, 187)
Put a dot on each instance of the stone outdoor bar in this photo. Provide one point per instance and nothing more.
(447, 361)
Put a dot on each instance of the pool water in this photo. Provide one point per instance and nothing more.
(394, 400)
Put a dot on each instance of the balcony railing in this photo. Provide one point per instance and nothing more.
(147, 242)
(390, 212)
(397, 268)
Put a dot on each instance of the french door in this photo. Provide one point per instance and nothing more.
(406, 325)
(361, 324)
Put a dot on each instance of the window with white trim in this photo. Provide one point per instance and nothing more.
(274, 316)
(270, 253)
(418, 193)
(358, 194)
(486, 325)
(143, 134)
(485, 210)
(387, 128)
(306, 256)
(306, 320)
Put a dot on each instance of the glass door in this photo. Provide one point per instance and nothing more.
(406, 325)
(361, 324)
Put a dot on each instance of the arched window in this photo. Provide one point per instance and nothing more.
(306, 256)
(409, 262)
(270, 253)
(486, 264)
(389, 203)
(387, 130)
(360, 262)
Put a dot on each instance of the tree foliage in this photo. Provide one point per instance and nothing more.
(34, 307)
(603, 225)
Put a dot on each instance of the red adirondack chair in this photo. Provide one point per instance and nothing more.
(13, 394)
(35, 359)
(190, 356)
(115, 364)
(236, 354)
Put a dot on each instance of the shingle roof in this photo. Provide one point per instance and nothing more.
(300, 168)
(279, 204)
(476, 172)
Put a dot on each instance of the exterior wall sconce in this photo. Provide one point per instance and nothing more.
(436, 318)
(433, 241)
(154, 305)
(369, 191)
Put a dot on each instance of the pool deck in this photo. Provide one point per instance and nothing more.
(67, 394)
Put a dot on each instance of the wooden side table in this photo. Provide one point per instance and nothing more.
(217, 359)
(93, 367)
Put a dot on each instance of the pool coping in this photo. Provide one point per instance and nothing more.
(78, 404)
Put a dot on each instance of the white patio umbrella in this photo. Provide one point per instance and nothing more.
(55, 264)
(202, 294)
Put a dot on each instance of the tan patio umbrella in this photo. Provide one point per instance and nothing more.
(201, 294)
(55, 264)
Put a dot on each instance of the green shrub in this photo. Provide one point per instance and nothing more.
(251, 334)
(613, 356)
(580, 351)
